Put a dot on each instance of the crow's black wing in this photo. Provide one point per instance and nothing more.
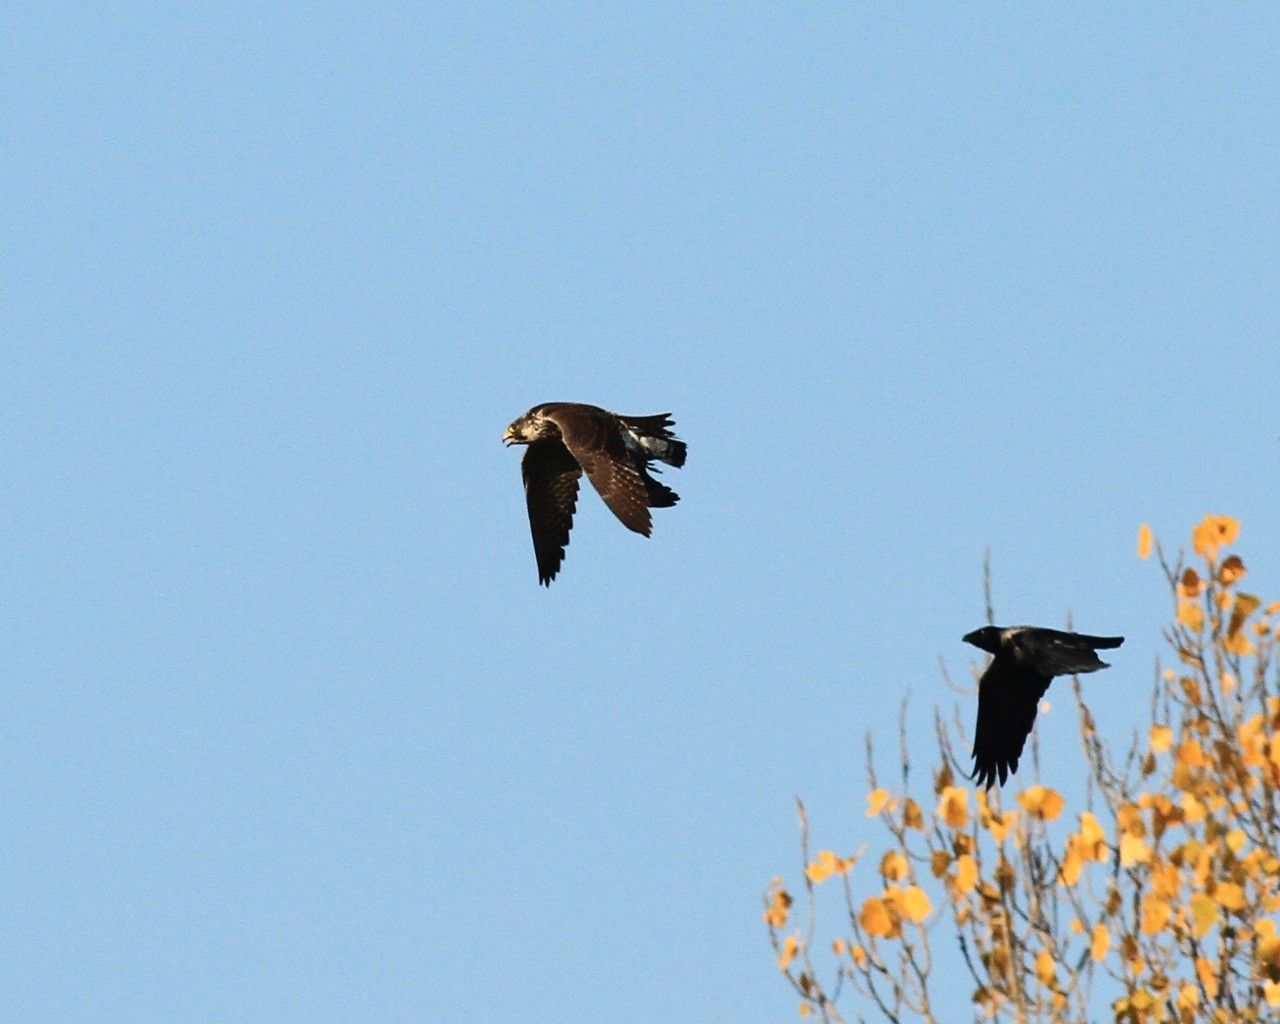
(1055, 653)
(551, 494)
(1008, 695)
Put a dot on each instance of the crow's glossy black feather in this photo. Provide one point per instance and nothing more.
(1024, 661)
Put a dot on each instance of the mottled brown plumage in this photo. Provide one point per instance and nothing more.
(567, 439)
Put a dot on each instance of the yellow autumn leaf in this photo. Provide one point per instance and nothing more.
(1232, 570)
(912, 816)
(1246, 605)
(1189, 583)
(953, 806)
(1212, 533)
(876, 800)
(825, 865)
(1207, 972)
(1238, 643)
(894, 866)
(1191, 754)
(875, 919)
(1091, 832)
(1144, 541)
(790, 945)
(779, 905)
(859, 955)
(1041, 802)
(1193, 811)
(1044, 968)
(1100, 943)
(1205, 913)
(966, 876)
(1133, 850)
(1072, 861)
(1268, 944)
(1271, 992)
(1155, 913)
(1000, 825)
(1161, 738)
(1129, 819)
(915, 903)
(1230, 896)
(1141, 1002)
(1190, 614)
(1166, 881)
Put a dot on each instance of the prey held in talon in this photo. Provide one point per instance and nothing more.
(567, 439)
(1024, 661)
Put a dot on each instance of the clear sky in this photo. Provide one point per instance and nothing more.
(288, 730)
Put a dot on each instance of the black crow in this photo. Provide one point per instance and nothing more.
(1025, 660)
(565, 440)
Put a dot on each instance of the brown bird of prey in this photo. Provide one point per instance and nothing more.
(1026, 658)
(567, 439)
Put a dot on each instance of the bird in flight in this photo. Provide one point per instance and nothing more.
(567, 439)
(1025, 660)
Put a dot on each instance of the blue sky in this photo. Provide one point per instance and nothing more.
(288, 730)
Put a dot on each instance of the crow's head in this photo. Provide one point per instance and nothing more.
(987, 639)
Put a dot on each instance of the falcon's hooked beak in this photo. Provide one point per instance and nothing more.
(509, 436)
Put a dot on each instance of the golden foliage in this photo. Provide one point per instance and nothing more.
(825, 865)
(1100, 943)
(1231, 571)
(953, 807)
(1045, 968)
(876, 801)
(915, 904)
(1169, 888)
(876, 920)
(965, 877)
(1039, 802)
(1144, 541)
(894, 866)
(1161, 738)
(1212, 533)
(1191, 614)
(779, 905)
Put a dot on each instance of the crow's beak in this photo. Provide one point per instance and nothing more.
(971, 638)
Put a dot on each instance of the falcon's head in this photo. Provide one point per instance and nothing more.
(987, 639)
(532, 426)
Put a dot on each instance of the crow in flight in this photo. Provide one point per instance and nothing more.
(1025, 660)
(567, 439)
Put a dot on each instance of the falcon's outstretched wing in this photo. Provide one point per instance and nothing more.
(551, 493)
(596, 442)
